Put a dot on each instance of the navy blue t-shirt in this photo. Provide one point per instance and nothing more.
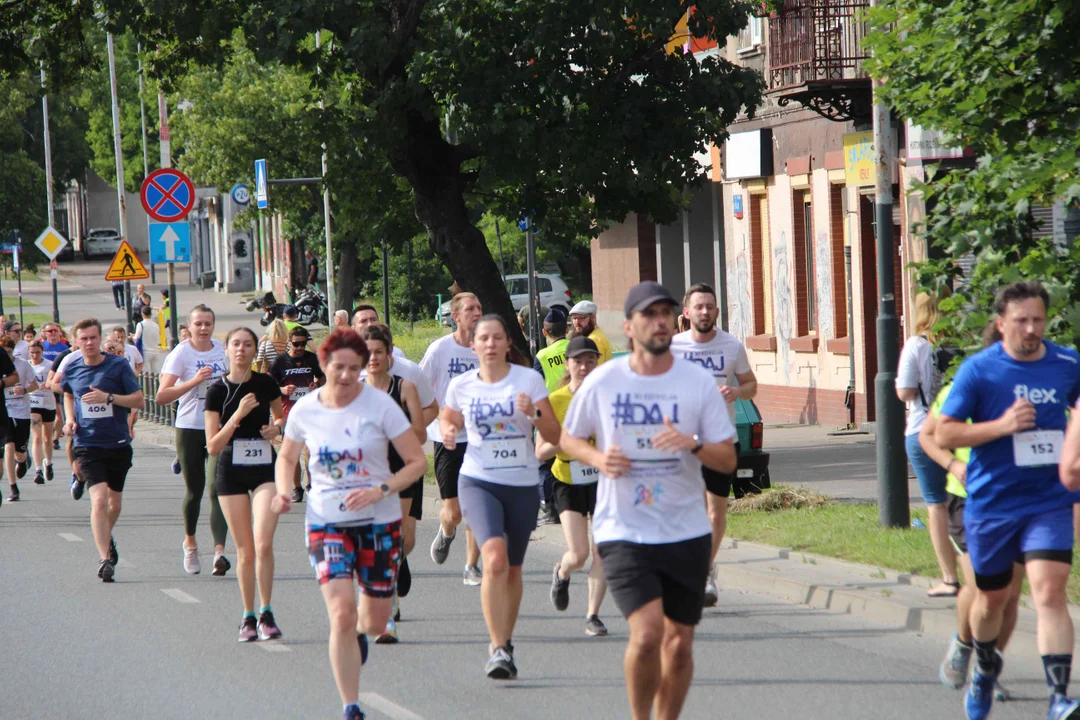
(986, 385)
(50, 351)
(102, 425)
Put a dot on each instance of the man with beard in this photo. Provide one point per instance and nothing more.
(725, 358)
(583, 317)
(656, 419)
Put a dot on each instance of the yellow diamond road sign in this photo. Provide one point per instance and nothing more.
(51, 242)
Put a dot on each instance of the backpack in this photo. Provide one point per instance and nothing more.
(940, 360)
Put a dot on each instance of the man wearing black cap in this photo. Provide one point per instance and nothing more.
(551, 363)
(656, 419)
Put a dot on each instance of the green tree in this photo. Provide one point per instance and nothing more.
(1001, 78)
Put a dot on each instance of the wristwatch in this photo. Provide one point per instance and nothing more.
(385, 489)
(697, 445)
(109, 399)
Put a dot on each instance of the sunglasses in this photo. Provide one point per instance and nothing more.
(299, 343)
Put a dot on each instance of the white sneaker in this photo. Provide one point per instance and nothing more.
(712, 595)
(191, 560)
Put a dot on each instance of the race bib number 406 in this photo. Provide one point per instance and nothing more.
(96, 410)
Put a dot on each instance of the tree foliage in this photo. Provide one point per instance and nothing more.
(1002, 78)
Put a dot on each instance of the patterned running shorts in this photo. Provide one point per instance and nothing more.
(371, 552)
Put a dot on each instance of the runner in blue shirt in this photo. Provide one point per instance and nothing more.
(99, 392)
(1016, 393)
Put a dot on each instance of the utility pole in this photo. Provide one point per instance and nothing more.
(166, 162)
(893, 508)
(49, 188)
(386, 283)
(119, 150)
(330, 301)
(530, 263)
(145, 162)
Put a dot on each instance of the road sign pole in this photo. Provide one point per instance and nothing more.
(145, 160)
(386, 283)
(166, 162)
(534, 309)
(119, 151)
(49, 183)
(331, 303)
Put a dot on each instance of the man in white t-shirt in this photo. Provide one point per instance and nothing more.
(365, 315)
(724, 357)
(445, 359)
(656, 419)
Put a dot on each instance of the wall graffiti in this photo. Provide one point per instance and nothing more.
(740, 321)
(823, 283)
(784, 310)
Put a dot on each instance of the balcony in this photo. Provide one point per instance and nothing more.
(815, 58)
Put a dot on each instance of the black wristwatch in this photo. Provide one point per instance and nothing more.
(385, 489)
(698, 445)
(109, 399)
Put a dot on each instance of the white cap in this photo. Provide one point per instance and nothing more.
(585, 307)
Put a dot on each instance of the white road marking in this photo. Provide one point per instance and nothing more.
(179, 596)
(35, 518)
(70, 537)
(386, 707)
(274, 647)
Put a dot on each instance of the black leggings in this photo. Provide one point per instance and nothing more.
(191, 449)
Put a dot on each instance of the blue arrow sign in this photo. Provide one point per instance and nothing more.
(170, 242)
(261, 194)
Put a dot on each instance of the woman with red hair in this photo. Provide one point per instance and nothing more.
(353, 522)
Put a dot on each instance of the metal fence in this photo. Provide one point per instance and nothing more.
(152, 410)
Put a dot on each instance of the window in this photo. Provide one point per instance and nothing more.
(750, 36)
(543, 285)
(837, 222)
(803, 250)
(517, 286)
(761, 270)
(811, 288)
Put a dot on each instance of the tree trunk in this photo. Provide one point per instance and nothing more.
(346, 283)
(433, 168)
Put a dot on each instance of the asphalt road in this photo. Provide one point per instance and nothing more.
(161, 643)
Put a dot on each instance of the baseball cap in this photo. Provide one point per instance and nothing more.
(585, 307)
(580, 345)
(645, 294)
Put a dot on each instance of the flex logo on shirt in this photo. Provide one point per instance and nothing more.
(632, 409)
(483, 412)
(1036, 396)
(460, 366)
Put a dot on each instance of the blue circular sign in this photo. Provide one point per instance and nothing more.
(167, 195)
(241, 195)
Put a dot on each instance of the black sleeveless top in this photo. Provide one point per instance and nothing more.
(394, 391)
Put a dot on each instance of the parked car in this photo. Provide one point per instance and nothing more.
(552, 288)
(101, 242)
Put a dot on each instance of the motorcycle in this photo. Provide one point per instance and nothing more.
(272, 309)
(312, 306)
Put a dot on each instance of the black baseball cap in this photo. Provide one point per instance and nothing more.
(580, 345)
(645, 294)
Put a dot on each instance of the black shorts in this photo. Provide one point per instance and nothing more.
(47, 416)
(575, 498)
(447, 467)
(956, 522)
(18, 433)
(104, 465)
(719, 483)
(415, 492)
(637, 574)
(232, 479)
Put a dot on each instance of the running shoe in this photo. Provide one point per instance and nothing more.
(176, 466)
(440, 546)
(980, 695)
(594, 627)
(472, 575)
(191, 560)
(221, 564)
(249, 629)
(560, 590)
(55, 444)
(268, 629)
(298, 495)
(21, 466)
(13, 495)
(501, 665)
(77, 488)
(49, 472)
(362, 639)
(711, 593)
(1001, 693)
(1062, 708)
(954, 668)
(114, 554)
(548, 519)
(39, 478)
(106, 570)
(389, 635)
(404, 578)
(353, 712)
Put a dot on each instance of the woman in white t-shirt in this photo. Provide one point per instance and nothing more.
(498, 404)
(42, 416)
(914, 375)
(353, 522)
(185, 376)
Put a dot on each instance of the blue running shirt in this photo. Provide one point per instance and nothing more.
(986, 385)
(100, 425)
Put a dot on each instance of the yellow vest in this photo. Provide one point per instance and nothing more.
(552, 360)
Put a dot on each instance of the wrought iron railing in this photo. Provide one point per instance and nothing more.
(817, 40)
(163, 414)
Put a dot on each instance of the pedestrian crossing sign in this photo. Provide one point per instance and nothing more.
(126, 266)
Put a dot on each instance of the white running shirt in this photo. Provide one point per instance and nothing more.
(183, 362)
(444, 361)
(723, 356)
